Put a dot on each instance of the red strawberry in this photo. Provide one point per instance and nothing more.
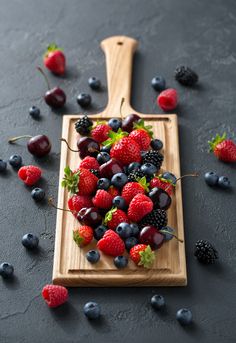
(80, 181)
(126, 150)
(139, 207)
(111, 244)
(54, 59)
(223, 148)
(102, 199)
(89, 163)
(142, 134)
(133, 188)
(168, 99)
(113, 191)
(83, 235)
(29, 174)
(142, 255)
(100, 132)
(54, 295)
(114, 217)
(162, 183)
(76, 202)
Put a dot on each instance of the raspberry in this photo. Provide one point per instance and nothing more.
(54, 295)
(102, 199)
(168, 99)
(29, 174)
(89, 163)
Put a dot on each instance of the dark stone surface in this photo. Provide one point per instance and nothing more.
(200, 34)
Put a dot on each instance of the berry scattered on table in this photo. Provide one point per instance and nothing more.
(92, 310)
(30, 175)
(54, 296)
(186, 76)
(34, 112)
(38, 194)
(184, 316)
(158, 83)
(111, 244)
(158, 301)
(124, 230)
(84, 100)
(93, 256)
(38, 146)
(119, 180)
(3, 166)
(119, 202)
(130, 242)
(205, 252)
(120, 262)
(211, 178)
(83, 126)
(168, 99)
(94, 83)
(15, 161)
(30, 241)
(83, 235)
(6, 270)
(99, 232)
(224, 149)
(54, 59)
(156, 144)
(142, 255)
(223, 182)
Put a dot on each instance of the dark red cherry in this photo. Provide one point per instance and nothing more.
(89, 216)
(160, 198)
(55, 97)
(127, 124)
(151, 236)
(110, 168)
(39, 145)
(88, 147)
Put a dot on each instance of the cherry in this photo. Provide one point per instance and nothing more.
(151, 236)
(54, 97)
(110, 168)
(89, 216)
(127, 124)
(39, 145)
(160, 198)
(87, 147)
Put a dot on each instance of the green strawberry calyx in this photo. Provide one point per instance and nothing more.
(77, 238)
(70, 180)
(147, 257)
(114, 137)
(109, 214)
(51, 48)
(143, 183)
(140, 125)
(216, 140)
(165, 180)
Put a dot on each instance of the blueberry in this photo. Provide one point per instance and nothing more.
(15, 161)
(38, 194)
(94, 83)
(115, 124)
(34, 112)
(124, 230)
(93, 256)
(159, 83)
(120, 261)
(103, 183)
(99, 232)
(133, 167)
(157, 302)
(169, 176)
(105, 149)
(130, 242)
(6, 270)
(148, 169)
(135, 229)
(119, 202)
(3, 166)
(84, 100)
(167, 236)
(103, 157)
(119, 180)
(211, 178)
(184, 316)
(92, 310)
(224, 182)
(156, 144)
(30, 241)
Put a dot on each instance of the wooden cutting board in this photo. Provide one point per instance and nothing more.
(70, 265)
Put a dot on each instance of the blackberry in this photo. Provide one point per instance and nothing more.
(205, 252)
(133, 176)
(154, 157)
(83, 125)
(186, 76)
(95, 172)
(157, 218)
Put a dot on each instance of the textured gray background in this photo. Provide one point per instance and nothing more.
(200, 34)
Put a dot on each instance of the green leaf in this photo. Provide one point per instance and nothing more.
(147, 257)
(143, 182)
(216, 140)
(140, 125)
(114, 137)
(71, 180)
(108, 216)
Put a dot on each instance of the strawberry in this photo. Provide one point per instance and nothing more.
(223, 148)
(29, 174)
(83, 235)
(114, 217)
(54, 295)
(113, 191)
(54, 59)
(80, 181)
(162, 183)
(111, 244)
(100, 132)
(142, 134)
(133, 188)
(139, 207)
(89, 163)
(142, 255)
(102, 199)
(76, 202)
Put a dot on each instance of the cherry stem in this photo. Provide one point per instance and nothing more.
(13, 139)
(121, 106)
(172, 234)
(51, 203)
(181, 177)
(45, 76)
(89, 149)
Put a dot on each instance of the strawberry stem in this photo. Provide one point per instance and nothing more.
(45, 77)
(14, 139)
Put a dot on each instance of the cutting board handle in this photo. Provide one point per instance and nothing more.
(119, 52)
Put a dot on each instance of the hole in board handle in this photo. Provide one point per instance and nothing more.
(120, 43)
